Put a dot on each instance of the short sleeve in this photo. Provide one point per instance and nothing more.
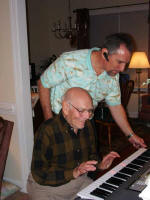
(114, 96)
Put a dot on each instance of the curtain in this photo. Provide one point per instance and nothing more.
(82, 22)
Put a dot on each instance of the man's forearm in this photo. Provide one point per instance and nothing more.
(120, 117)
(44, 94)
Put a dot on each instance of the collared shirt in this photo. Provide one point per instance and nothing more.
(58, 151)
(74, 69)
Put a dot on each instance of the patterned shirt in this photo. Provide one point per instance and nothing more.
(74, 69)
(58, 150)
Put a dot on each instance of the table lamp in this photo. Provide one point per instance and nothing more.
(139, 61)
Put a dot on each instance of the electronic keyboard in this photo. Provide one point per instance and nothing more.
(120, 183)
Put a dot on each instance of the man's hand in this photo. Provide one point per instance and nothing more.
(108, 159)
(84, 168)
(137, 141)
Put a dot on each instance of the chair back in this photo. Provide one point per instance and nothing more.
(103, 113)
(126, 91)
(6, 128)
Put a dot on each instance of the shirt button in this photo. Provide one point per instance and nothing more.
(78, 150)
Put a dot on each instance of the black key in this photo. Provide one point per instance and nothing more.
(123, 176)
(127, 171)
(100, 193)
(136, 167)
(140, 158)
(138, 162)
(108, 187)
(146, 153)
(115, 181)
(144, 158)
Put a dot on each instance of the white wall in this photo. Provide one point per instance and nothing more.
(15, 100)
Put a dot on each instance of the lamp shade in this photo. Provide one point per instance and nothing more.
(139, 60)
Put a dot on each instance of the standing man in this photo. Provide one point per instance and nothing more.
(65, 151)
(97, 71)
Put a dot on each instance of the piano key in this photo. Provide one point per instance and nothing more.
(140, 158)
(143, 158)
(127, 171)
(100, 193)
(146, 153)
(122, 176)
(108, 187)
(115, 181)
(132, 166)
(138, 162)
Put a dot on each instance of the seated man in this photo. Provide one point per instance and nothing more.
(65, 151)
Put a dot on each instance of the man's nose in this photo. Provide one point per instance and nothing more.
(86, 114)
(122, 67)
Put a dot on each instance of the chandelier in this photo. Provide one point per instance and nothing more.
(66, 30)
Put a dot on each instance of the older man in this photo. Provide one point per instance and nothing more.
(97, 71)
(65, 151)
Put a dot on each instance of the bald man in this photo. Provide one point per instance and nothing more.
(65, 151)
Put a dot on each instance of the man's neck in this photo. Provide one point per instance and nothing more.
(97, 63)
(74, 129)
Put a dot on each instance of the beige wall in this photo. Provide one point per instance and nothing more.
(7, 88)
(15, 99)
(6, 75)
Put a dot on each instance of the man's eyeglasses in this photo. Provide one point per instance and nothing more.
(82, 111)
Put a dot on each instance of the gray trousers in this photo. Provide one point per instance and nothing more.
(67, 191)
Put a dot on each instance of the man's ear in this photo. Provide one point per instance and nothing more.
(65, 107)
(105, 54)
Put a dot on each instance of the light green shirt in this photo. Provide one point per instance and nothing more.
(74, 69)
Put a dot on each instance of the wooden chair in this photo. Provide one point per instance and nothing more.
(6, 128)
(107, 121)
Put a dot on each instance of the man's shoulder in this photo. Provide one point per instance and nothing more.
(48, 121)
(48, 126)
(75, 54)
(51, 121)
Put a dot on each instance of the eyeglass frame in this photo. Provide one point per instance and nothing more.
(81, 112)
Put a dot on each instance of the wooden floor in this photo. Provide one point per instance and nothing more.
(18, 196)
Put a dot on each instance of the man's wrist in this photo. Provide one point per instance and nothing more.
(130, 135)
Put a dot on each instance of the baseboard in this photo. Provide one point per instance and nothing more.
(18, 183)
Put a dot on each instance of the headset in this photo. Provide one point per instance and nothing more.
(106, 56)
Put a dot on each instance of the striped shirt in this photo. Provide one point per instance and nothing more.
(58, 150)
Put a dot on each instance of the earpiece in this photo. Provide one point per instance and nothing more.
(106, 56)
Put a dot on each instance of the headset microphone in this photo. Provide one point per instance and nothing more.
(106, 56)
